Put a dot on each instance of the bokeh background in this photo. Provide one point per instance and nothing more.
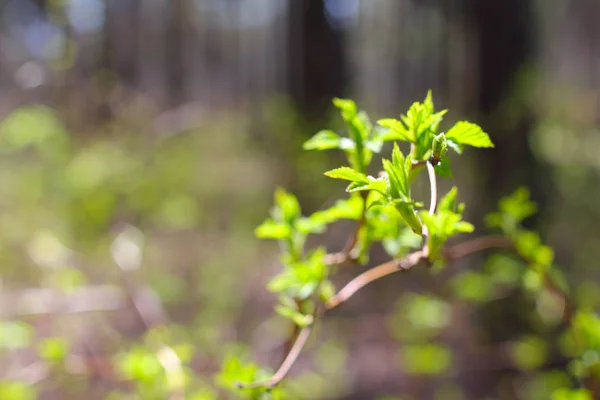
(141, 141)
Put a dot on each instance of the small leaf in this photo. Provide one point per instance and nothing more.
(307, 226)
(397, 131)
(323, 140)
(346, 106)
(350, 208)
(442, 169)
(379, 185)
(273, 230)
(440, 147)
(326, 290)
(347, 174)
(53, 349)
(287, 204)
(468, 133)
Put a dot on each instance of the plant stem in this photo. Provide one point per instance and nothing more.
(373, 274)
(287, 363)
(432, 187)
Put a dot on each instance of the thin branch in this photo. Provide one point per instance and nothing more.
(478, 244)
(417, 164)
(287, 363)
(433, 188)
(373, 274)
(346, 253)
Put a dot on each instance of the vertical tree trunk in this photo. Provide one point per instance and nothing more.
(174, 51)
(505, 33)
(317, 68)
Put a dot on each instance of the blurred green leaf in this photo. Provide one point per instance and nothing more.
(571, 394)
(273, 230)
(426, 359)
(473, 286)
(13, 390)
(140, 364)
(53, 349)
(350, 208)
(529, 353)
(300, 279)
(15, 335)
(327, 139)
(31, 125)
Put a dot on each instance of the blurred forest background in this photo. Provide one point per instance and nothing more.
(141, 141)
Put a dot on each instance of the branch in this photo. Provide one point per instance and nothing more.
(478, 244)
(287, 363)
(346, 253)
(417, 164)
(373, 274)
(433, 188)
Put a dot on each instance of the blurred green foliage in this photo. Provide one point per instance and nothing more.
(170, 214)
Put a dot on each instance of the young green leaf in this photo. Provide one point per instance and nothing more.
(347, 107)
(396, 131)
(287, 204)
(327, 139)
(467, 133)
(513, 209)
(440, 147)
(350, 208)
(273, 230)
(347, 174)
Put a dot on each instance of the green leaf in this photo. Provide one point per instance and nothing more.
(571, 394)
(350, 208)
(529, 353)
(53, 349)
(235, 371)
(300, 280)
(444, 224)
(442, 169)
(288, 208)
(513, 209)
(426, 359)
(299, 319)
(15, 335)
(273, 230)
(379, 185)
(347, 174)
(440, 147)
(307, 226)
(397, 131)
(473, 286)
(405, 240)
(326, 290)
(327, 139)
(398, 172)
(13, 390)
(468, 133)
(346, 106)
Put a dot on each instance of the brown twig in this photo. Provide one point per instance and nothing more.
(287, 363)
(478, 244)
(345, 254)
(373, 274)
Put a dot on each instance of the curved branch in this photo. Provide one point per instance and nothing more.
(287, 363)
(478, 244)
(372, 275)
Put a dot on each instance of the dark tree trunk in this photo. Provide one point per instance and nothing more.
(505, 49)
(317, 68)
(174, 51)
